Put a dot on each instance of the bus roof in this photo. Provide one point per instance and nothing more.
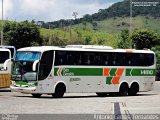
(4, 49)
(80, 48)
(6, 46)
(11, 48)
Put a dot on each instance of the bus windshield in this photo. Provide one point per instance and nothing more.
(27, 56)
(23, 65)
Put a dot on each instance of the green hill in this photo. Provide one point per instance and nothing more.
(115, 25)
(106, 32)
(78, 36)
(120, 9)
(105, 26)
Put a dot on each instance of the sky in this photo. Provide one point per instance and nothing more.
(50, 10)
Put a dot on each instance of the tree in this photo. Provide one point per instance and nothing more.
(125, 42)
(87, 18)
(94, 24)
(143, 38)
(75, 16)
(54, 40)
(157, 53)
(40, 23)
(84, 25)
(87, 40)
(22, 34)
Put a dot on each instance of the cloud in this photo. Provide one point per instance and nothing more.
(50, 10)
(36, 7)
(7, 8)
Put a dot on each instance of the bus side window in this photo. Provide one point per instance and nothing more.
(91, 60)
(60, 58)
(141, 59)
(105, 60)
(128, 60)
(84, 59)
(69, 58)
(61, 61)
(150, 58)
(97, 59)
(77, 58)
(88, 58)
(87, 61)
(46, 63)
(112, 61)
(73, 58)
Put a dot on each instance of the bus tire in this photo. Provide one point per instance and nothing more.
(101, 94)
(123, 91)
(59, 91)
(133, 89)
(36, 95)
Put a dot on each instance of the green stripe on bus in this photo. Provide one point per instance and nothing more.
(128, 72)
(140, 72)
(113, 71)
(79, 71)
(109, 80)
(55, 71)
(99, 72)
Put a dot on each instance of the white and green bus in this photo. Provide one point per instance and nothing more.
(82, 69)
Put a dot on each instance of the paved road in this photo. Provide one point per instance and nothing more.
(143, 103)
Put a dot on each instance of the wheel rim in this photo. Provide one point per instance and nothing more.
(124, 90)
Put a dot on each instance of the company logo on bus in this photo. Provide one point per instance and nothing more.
(66, 72)
(147, 72)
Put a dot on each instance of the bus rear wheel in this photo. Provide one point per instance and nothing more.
(133, 89)
(36, 95)
(59, 91)
(123, 91)
(101, 94)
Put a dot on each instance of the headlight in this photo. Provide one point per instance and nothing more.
(13, 82)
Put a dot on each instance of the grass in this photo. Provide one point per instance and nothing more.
(115, 25)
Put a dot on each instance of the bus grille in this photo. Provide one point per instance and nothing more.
(5, 80)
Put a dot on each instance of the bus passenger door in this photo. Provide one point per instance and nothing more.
(45, 81)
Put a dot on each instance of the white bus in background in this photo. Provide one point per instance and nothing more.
(82, 69)
(6, 54)
(5, 67)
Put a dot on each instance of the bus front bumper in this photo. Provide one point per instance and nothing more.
(27, 90)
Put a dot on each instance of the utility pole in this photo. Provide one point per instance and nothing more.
(70, 32)
(2, 26)
(130, 26)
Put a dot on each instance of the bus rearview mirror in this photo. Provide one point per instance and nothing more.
(6, 64)
(34, 65)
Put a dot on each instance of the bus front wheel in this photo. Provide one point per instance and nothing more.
(59, 91)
